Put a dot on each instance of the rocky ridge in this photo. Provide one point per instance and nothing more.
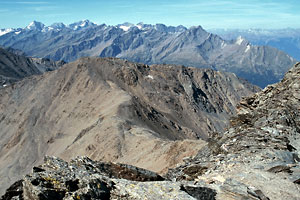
(114, 110)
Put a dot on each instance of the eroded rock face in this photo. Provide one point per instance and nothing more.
(83, 178)
(260, 149)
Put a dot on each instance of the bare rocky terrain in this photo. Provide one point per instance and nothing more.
(257, 158)
(114, 110)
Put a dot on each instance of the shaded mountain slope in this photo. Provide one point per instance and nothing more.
(152, 44)
(259, 151)
(114, 110)
(15, 67)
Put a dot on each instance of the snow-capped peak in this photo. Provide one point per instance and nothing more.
(35, 26)
(82, 24)
(139, 26)
(57, 26)
(5, 31)
(125, 26)
(239, 40)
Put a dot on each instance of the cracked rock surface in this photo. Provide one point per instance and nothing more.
(258, 156)
(83, 178)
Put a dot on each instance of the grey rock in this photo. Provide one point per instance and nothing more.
(263, 148)
(83, 178)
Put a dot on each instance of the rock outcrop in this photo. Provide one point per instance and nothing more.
(259, 150)
(114, 110)
(83, 178)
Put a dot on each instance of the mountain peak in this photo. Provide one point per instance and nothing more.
(58, 25)
(197, 29)
(125, 26)
(241, 41)
(82, 24)
(34, 25)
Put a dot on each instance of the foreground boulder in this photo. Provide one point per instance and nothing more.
(83, 178)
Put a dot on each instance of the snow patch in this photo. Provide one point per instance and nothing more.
(248, 48)
(4, 85)
(125, 28)
(151, 77)
(83, 24)
(18, 32)
(30, 25)
(46, 29)
(239, 40)
(5, 31)
(139, 27)
(223, 45)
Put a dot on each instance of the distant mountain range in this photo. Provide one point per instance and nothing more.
(151, 44)
(287, 40)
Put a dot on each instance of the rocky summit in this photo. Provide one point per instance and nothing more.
(114, 110)
(257, 157)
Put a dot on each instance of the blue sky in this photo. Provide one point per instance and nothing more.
(207, 13)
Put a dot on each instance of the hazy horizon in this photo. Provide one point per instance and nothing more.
(213, 14)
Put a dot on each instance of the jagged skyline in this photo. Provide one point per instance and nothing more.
(209, 14)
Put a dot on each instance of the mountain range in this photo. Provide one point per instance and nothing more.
(114, 110)
(150, 44)
(287, 40)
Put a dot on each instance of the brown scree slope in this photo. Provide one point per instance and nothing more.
(113, 110)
